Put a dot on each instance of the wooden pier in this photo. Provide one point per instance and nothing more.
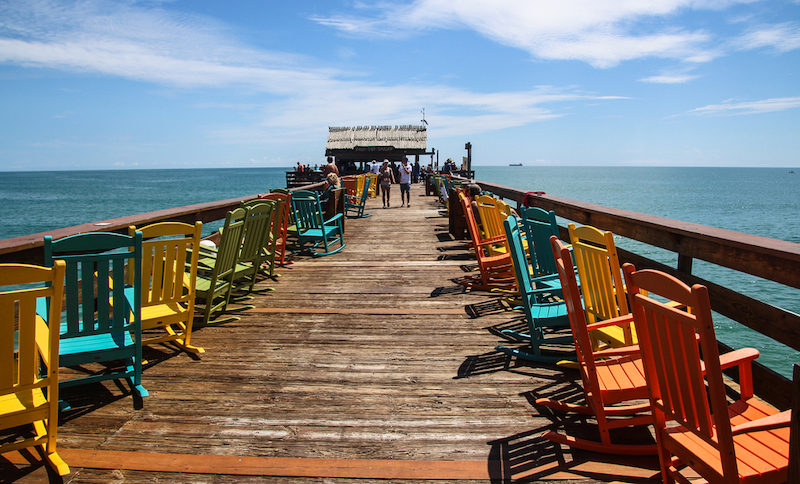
(364, 365)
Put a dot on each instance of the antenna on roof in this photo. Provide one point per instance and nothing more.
(423, 117)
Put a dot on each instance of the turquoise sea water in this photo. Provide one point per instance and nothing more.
(761, 201)
(33, 202)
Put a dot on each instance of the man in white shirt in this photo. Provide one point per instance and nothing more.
(405, 183)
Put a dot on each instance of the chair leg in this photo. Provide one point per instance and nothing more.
(183, 343)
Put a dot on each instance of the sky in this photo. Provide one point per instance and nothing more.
(127, 84)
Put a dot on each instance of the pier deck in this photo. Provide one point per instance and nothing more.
(367, 364)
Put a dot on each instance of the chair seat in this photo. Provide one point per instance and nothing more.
(23, 403)
(763, 454)
(101, 346)
(622, 378)
(161, 315)
(204, 285)
(550, 312)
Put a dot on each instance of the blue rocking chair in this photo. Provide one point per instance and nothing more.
(538, 315)
(313, 228)
(102, 317)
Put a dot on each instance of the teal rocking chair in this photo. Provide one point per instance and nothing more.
(102, 320)
(538, 315)
(539, 225)
(312, 228)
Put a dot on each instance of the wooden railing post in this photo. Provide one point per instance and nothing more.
(684, 264)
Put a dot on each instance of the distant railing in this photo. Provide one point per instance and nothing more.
(28, 249)
(771, 259)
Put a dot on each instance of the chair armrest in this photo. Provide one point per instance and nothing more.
(779, 420)
(738, 357)
(42, 337)
(333, 219)
(621, 351)
(628, 318)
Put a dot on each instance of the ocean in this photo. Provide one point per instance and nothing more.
(760, 201)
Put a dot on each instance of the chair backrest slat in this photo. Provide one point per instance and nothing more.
(88, 283)
(600, 272)
(307, 209)
(539, 225)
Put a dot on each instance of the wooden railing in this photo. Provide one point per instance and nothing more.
(771, 259)
(28, 249)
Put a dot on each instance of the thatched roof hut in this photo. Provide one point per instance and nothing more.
(365, 143)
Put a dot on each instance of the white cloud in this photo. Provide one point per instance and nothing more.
(781, 37)
(731, 107)
(669, 79)
(602, 33)
(174, 49)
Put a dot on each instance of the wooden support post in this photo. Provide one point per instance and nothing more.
(684, 264)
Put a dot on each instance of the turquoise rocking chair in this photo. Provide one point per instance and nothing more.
(102, 316)
(312, 228)
(539, 315)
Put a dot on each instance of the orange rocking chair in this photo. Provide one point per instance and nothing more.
(746, 441)
(613, 379)
(496, 271)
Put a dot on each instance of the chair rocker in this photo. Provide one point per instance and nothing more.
(539, 314)
(102, 320)
(312, 228)
(216, 285)
(354, 205)
(169, 281)
(29, 359)
(746, 441)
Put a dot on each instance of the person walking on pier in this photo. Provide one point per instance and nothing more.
(387, 178)
(405, 183)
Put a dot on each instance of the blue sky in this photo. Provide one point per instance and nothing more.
(194, 84)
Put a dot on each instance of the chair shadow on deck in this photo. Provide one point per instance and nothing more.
(86, 399)
(486, 308)
(448, 290)
(36, 468)
(528, 457)
(519, 326)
